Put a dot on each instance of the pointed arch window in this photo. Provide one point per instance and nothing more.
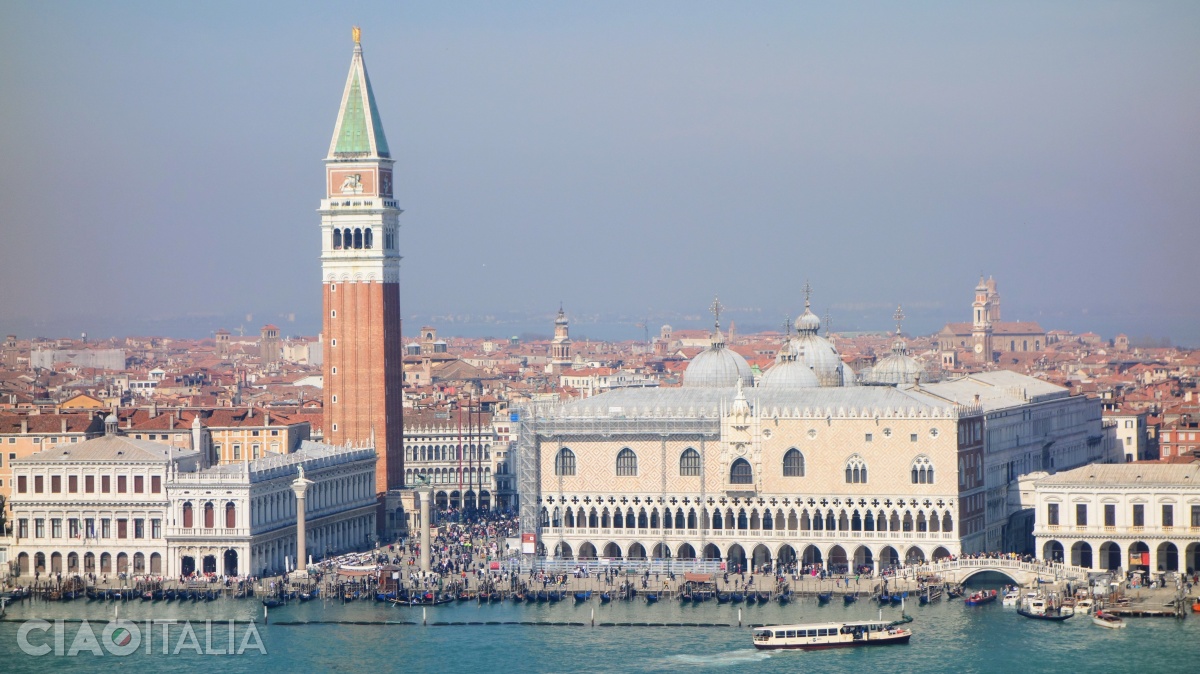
(689, 463)
(793, 463)
(626, 463)
(741, 472)
(856, 470)
(922, 470)
(564, 463)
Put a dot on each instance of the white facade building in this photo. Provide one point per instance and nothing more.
(116, 505)
(1137, 517)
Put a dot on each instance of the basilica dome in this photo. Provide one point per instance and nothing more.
(718, 367)
(897, 367)
(789, 371)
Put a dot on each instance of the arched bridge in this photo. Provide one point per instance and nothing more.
(1022, 573)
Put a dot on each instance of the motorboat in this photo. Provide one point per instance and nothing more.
(816, 636)
(1011, 598)
(1108, 620)
(981, 597)
(1083, 606)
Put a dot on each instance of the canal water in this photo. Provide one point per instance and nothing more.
(369, 637)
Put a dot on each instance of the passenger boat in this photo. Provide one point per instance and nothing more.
(815, 636)
(1037, 609)
(1108, 620)
(981, 597)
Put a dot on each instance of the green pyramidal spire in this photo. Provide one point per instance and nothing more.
(358, 132)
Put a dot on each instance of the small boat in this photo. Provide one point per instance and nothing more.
(1052, 615)
(955, 592)
(496, 597)
(817, 636)
(581, 597)
(147, 596)
(1108, 620)
(737, 597)
(605, 597)
(825, 597)
(764, 597)
(849, 598)
(272, 602)
(651, 598)
(899, 598)
(530, 597)
(784, 597)
(885, 599)
(724, 598)
(543, 597)
(1196, 606)
(1083, 606)
(981, 597)
(1011, 598)
(555, 597)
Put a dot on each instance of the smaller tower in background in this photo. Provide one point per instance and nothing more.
(269, 349)
(981, 324)
(222, 339)
(993, 300)
(560, 347)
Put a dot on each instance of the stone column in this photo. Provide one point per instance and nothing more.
(424, 494)
(300, 487)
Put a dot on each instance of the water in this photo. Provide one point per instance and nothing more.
(948, 637)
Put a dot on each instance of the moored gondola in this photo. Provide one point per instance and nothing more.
(605, 597)
(651, 597)
(824, 597)
(581, 597)
(723, 598)
(849, 598)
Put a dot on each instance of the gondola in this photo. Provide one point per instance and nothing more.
(885, 598)
(737, 597)
(147, 596)
(543, 597)
(898, 598)
(308, 596)
(784, 597)
(651, 598)
(849, 598)
(764, 597)
(1052, 617)
(555, 597)
(824, 597)
(605, 597)
(495, 597)
(723, 598)
(751, 598)
(581, 597)
(272, 602)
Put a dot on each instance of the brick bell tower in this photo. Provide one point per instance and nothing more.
(360, 273)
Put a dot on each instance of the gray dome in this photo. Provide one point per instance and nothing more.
(718, 367)
(789, 372)
(808, 322)
(819, 355)
(897, 367)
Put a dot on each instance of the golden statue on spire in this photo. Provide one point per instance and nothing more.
(356, 33)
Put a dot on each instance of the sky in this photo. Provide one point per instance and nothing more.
(161, 163)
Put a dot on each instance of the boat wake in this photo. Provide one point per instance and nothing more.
(726, 659)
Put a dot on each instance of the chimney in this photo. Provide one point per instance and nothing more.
(64, 424)
(24, 426)
(266, 418)
(976, 398)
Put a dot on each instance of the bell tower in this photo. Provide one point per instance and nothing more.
(981, 323)
(360, 274)
(560, 348)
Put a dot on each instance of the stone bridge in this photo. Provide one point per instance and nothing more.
(1021, 573)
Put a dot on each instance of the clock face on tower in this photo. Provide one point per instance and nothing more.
(978, 348)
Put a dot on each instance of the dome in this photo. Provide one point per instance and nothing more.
(789, 372)
(897, 367)
(819, 355)
(110, 419)
(808, 322)
(718, 367)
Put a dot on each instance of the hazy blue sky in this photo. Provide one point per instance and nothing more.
(160, 163)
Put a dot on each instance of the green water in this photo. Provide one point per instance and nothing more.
(948, 637)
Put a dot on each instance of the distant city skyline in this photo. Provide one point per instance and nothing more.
(160, 165)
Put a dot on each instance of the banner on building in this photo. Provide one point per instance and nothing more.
(528, 543)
